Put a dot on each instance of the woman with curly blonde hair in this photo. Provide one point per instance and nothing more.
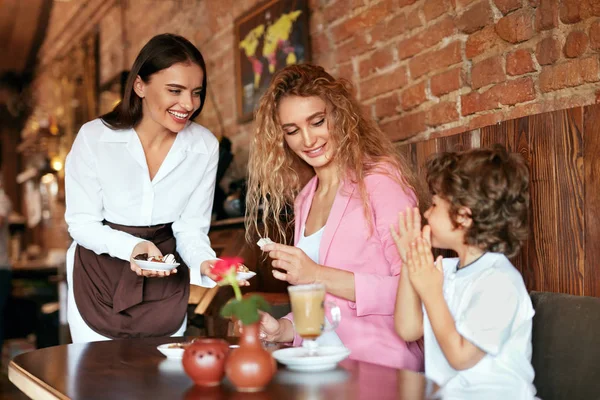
(309, 124)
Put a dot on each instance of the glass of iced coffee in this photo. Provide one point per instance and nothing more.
(308, 308)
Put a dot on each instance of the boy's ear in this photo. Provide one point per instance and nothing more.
(464, 217)
(138, 87)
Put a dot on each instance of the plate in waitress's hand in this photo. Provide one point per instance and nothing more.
(155, 266)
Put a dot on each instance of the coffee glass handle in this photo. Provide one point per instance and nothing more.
(335, 316)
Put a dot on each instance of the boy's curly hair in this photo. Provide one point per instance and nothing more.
(494, 185)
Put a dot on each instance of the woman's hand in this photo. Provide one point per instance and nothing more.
(273, 330)
(206, 270)
(409, 229)
(298, 268)
(150, 249)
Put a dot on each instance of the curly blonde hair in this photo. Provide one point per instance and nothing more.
(277, 174)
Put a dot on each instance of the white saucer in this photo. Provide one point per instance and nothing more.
(297, 358)
(314, 379)
(171, 352)
(155, 266)
(244, 275)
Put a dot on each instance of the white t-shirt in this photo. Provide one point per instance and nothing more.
(492, 310)
(311, 245)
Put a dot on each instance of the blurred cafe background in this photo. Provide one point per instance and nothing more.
(435, 74)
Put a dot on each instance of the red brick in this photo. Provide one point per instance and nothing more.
(390, 28)
(475, 102)
(403, 3)
(446, 82)
(487, 72)
(524, 110)
(378, 60)
(546, 16)
(485, 40)
(383, 83)
(346, 71)
(425, 63)
(595, 35)
(320, 43)
(367, 110)
(572, 73)
(408, 126)
(434, 8)
(442, 113)
(464, 3)
(365, 20)
(594, 7)
(575, 44)
(547, 51)
(506, 6)
(413, 20)
(429, 37)
(570, 11)
(480, 121)
(413, 96)
(519, 62)
(534, 3)
(357, 45)
(339, 9)
(516, 27)
(387, 106)
(517, 91)
(475, 18)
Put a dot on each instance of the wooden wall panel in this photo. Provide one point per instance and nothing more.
(568, 153)
(592, 200)
(562, 150)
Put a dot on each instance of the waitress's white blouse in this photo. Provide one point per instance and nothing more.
(107, 178)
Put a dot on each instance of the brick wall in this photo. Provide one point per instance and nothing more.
(422, 68)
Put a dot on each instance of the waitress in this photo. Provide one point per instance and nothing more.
(141, 179)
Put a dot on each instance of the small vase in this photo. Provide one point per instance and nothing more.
(250, 367)
(204, 361)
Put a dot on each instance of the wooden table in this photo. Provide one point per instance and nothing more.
(134, 369)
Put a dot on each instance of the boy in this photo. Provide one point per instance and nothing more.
(473, 311)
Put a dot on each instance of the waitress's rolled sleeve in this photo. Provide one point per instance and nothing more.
(191, 228)
(84, 206)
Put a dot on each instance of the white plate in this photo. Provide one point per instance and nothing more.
(245, 275)
(175, 352)
(155, 266)
(297, 358)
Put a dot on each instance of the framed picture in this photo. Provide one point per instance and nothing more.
(268, 37)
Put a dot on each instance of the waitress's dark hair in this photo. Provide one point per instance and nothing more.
(159, 53)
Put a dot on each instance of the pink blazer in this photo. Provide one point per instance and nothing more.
(367, 325)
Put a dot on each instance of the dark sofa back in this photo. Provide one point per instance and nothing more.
(566, 346)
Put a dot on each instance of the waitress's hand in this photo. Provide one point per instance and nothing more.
(150, 249)
(206, 270)
(298, 268)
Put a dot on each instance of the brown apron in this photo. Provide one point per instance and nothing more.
(115, 302)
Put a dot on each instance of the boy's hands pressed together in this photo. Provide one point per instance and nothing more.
(426, 276)
(409, 229)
